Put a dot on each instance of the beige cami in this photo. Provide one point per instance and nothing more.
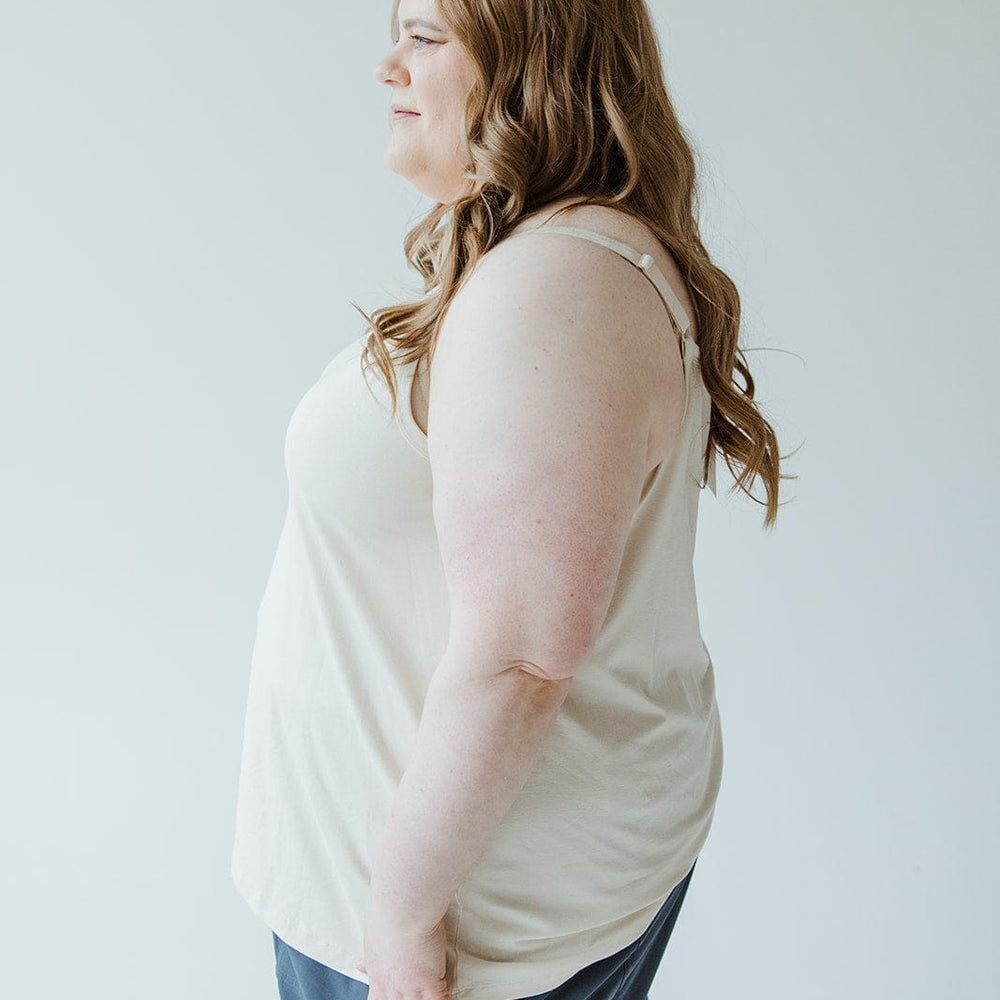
(352, 623)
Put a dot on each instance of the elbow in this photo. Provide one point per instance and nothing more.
(556, 664)
(544, 647)
(560, 658)
(551, 673)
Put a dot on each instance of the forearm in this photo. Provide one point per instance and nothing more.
(480, 735)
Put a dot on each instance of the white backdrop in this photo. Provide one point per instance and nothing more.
(191, 194)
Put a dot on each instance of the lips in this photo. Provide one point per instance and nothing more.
(398, 109)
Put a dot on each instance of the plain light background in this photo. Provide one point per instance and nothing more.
(191, 194)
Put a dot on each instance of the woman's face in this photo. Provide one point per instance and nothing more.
(430, 73)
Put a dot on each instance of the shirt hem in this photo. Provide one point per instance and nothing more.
(293, 934)
(484, 989)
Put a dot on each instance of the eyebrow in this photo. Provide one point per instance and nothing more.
(416, 22)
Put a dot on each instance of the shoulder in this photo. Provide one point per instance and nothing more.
(537, 314)
(540, 268)
(552, 292)
(624, 227)
(549, 325)
(551, 303)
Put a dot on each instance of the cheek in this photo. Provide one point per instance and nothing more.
(447, 122)
(452, 93)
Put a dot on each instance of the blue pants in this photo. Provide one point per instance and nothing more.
(626, 975)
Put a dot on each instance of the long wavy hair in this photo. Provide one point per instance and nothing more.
(571, 102)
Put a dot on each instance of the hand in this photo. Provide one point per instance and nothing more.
(404, 963)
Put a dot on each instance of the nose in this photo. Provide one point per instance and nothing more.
(390, 70)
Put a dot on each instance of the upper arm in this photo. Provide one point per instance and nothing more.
(538, 427)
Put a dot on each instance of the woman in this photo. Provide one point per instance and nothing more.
(482, 747)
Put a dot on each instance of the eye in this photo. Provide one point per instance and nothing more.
(418, 39)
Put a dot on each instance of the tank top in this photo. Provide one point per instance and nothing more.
(351, 625)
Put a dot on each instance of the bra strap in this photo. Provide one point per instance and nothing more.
(643, 261)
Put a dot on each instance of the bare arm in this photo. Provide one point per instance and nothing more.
(538, 431)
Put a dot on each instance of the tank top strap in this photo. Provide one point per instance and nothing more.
(643, 261)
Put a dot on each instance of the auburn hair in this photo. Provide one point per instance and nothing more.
(571, 102)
